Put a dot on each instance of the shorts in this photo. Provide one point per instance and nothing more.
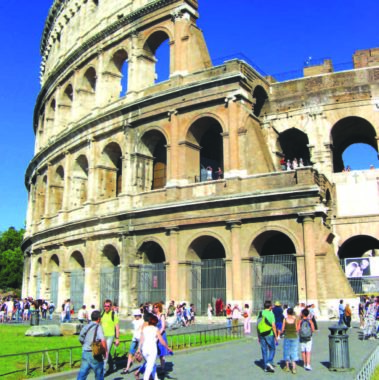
(306, 346)
(278, 326)
(133, 347)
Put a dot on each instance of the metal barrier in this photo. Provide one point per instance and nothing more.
(177, 341)
(369, 367)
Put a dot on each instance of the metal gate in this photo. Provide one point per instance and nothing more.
(208, 283)
(54, 287)
(151, 283)
(77, 288)
(274, 278)
(110, 285)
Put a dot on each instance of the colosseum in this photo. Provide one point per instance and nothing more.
(218, 182)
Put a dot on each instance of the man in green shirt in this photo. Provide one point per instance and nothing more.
(267, 336)
(111, 328)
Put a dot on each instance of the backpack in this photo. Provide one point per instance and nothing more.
(264, 327)
(305, 332)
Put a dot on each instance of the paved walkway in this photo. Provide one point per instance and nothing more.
(241, 360)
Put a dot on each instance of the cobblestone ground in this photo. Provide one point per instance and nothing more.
(241, 360)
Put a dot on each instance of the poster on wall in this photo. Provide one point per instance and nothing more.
(362, 267)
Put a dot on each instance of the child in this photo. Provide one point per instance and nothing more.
(305, 329)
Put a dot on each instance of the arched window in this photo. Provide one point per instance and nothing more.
(56, 190)
(90, 79)
(79, 181)
(260, 96)
(348, 132)
(111, 172)
(294, 144)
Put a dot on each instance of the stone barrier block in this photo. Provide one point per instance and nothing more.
(71, 328)
(50, 330)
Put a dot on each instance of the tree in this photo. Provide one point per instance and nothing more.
(11, 258)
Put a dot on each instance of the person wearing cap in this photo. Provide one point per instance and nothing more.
(137, 329)
(279, 317)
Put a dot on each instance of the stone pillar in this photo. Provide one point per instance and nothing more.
(92, 178)
(229, 279)
(307, 221)
(235, 228)
(126, 259)
(67, 181)
(232, 161)
(187, 291)
(26, 276)
(174, 159)
(172, 279)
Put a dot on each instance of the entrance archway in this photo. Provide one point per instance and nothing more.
(54, 278)
(359, 258)
(208, 274)
(151, 277)
(274, 269)
(76, 264)
(110, 275)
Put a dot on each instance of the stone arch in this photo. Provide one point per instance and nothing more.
(152, 163)
(274, 268)
(151, 274)
(359, 246)
(66, 103)
(38, 277)
(77, 276)
(109, 274)
(294, 144)
(111, 171)
(204, 150)
(90, 80)
(117, 72)
(148, 63)
(347, 131)
(54, 269)
(57, 190)
(41, 191)
(79, 181)
(208, 271)
(260, 96)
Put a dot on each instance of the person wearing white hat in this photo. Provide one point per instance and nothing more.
(137, 328)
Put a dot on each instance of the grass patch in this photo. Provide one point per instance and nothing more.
(375, 376)
(14, 341)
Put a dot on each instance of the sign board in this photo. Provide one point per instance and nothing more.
(362, 267)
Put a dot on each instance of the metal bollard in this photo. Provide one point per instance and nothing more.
(339, 348)
(34, 318)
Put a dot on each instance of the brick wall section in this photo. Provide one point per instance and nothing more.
(366, 58)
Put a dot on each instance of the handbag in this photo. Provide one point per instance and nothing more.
(98, 349)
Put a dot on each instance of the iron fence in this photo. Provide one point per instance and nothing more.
(55, 360)
(369, 366)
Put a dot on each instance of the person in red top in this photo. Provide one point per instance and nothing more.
(228, 312)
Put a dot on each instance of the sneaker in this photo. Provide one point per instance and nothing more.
(269, 369)
(286, 369)
(294, 371)
(308, 368)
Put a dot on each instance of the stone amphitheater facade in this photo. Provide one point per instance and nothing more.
(122, 200)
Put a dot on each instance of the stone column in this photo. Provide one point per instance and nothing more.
(229, 279)
(67, 181)
(126, 259)
(26, 276)
(235, 228)
(92, 178)
(233, 160)
(174, 159)
(172, 279)
(307, 220)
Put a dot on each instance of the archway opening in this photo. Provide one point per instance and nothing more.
(294, 144)
(110, 275)
(260, 96)
(54, 278)
(77, 266)
(348, 132)
(274, 269)
(57, 190)
(151, 273)
(359, 258)
(208, 273)
(155, 146)
(360, 157)
(79, 181)
(110, 175)
(204, 150)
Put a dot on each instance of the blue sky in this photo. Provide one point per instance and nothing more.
(278, 36)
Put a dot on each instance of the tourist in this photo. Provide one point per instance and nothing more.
(305, 330)
(370, 319)
(291, 341)
(161, 325)
(82, 314)
(228, 312)
(137, 329)
(341, 312)
(236, 315)
(91, 332)
(347, 315)
(266, 331)
(51, 309)
(110, 325)
(247, 320)
(278, 312)
(148, 345)
(209, 312)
